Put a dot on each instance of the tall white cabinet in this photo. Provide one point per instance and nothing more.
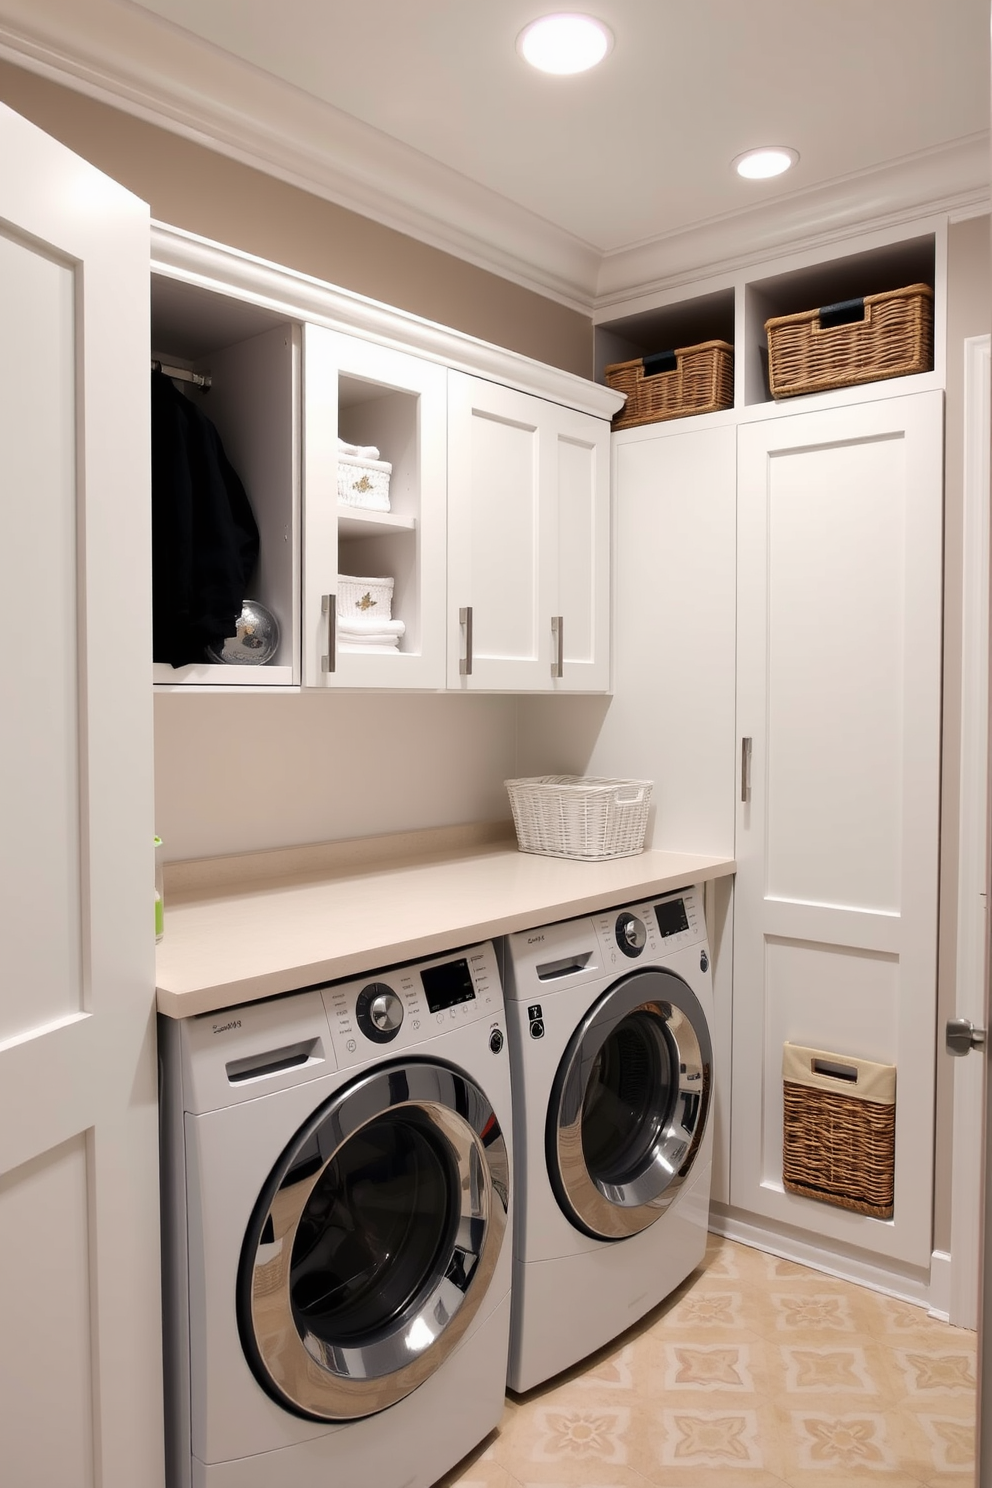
(838, 660)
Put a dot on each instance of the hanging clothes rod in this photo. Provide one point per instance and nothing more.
(180, 374)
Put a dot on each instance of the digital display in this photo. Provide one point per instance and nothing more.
(671, 917)
(447, 985)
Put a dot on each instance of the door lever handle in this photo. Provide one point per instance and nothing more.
(961, 1036)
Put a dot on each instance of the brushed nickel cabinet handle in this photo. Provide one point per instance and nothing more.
(328, 607)
(465, 619)
(558, 632)
(746, 769)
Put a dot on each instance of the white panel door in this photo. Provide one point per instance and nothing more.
(373, 396)
(839, 635)
(528, 542)
(581, 448)
(79, 1234)
(501, 538)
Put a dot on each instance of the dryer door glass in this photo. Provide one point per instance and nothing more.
(629, 1105)
(373, 1242)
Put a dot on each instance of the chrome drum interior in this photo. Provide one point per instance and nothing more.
(373, 1241)
(629, 1105)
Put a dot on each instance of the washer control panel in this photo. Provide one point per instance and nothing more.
(409, 1004)
(649, 930)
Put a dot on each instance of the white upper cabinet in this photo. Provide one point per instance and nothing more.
(528, 542)
(372, 396)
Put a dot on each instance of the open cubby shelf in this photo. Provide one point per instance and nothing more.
(737, 312)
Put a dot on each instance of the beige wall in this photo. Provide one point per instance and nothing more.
(969, 313)
(197, 189)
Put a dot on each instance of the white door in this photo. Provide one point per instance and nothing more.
(839, 635)
(528, 542)
(373, 397)
(79, 1236)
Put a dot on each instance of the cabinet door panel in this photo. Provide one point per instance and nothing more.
(582, 475)
(528, 540)
(839, 582)
(501, 534)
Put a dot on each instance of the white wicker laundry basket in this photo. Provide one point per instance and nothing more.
(580, 816)
(370, 598)
(364, 482)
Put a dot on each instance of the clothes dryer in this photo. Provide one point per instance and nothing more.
(337, 1169)
(611, 1056)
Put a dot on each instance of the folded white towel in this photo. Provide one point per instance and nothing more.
(354, 646)
(358, 451)
(369, 626)
(365, 642)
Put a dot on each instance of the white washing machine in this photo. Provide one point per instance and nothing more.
(609, 1026)
(337, 1184)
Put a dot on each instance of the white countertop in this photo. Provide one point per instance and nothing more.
(241, 928)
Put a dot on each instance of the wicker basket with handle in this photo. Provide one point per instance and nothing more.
(580, 816)
(672, 384)
(882, 335)
(839, 1129)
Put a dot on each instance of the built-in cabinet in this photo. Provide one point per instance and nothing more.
(838, 724)
(528, 542)
(777, 632)
(497, 537)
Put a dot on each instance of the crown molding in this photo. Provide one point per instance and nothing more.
(953, 178)
(131, 61)
(123, 56)
(214, 266)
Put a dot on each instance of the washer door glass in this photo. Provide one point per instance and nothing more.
(373, 1242)
(629, 1105)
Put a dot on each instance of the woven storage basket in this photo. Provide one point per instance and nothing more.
(579, 816)
(672, 384)
(364, 482)
(839, 1129)
(372, 598)
(883, 335)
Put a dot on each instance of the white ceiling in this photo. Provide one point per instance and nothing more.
(421, 113)
(642, 145)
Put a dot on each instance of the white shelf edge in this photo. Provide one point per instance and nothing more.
(354, 521)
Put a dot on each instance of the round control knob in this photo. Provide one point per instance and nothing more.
(495, 1041)
(386, 1012)
(379, 1012)
(631, 934)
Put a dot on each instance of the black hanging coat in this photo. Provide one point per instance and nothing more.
(204, 536)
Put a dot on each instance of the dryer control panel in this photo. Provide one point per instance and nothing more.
(395, 1009)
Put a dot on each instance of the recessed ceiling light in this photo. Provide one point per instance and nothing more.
(564, 43)
(770, 160)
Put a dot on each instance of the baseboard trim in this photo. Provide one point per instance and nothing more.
(940, 1286)
(916, 1290)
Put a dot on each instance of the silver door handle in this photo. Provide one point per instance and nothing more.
(961, 1036)
(465, 618)
(558, 633)
(746, 769)
(329, 607)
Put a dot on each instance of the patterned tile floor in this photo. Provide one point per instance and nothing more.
(756, 1373)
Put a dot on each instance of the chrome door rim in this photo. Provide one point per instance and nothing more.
(617, 1211)
(341, 1382)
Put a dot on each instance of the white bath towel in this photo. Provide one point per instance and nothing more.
(358, 451)
(368, 627)
(370, 647)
